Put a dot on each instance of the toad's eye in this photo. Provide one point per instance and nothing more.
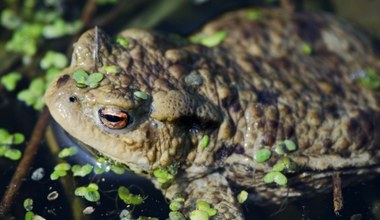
(113, 118)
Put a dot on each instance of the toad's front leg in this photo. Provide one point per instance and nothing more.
(211, 189)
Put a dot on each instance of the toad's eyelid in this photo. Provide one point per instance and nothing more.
(113, 118)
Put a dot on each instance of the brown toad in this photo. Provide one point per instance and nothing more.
(261, 85)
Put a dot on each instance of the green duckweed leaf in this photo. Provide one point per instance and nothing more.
(10, 80)
(99, 169)
(175, 206)
(128, 197)
(307, 49)
(53, 59)
(80, 76)
(279, 166)
(140, 95)
(33, 96)
(81, 170)
(269, 177)
(92, 195)
(199, 215)
(66, 152)
(61, 28)
(253, 14)
(56, 174)
(18, 138)
(290, 145)
(29, 215)
(112, 69)
(93, 186)
(3, 149)
(205, 206)
(80, 191)
(117, 169)
(4, 134)
(213, 40)
(204, 141)
(94, 80)
(95, 77)
(280, 179)
(13, 154)
(242, 196)
(62, 166)
(369, 79)
(28, 204)
(122, 41)
(277, 177)
(176, 216)
(51, 73)
(262, 155)
(9, 19)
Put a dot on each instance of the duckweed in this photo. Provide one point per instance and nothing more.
(60, 28)
(13, 154)
(204, 141)
(290, 145)
(101, 166)
(117, 169)
(122, 41)
(285, 146)
(140, 95)
(6, 141)
(214, 40)
(28, 204)
(9, 81)
(253, 14)
(112, 69)
(209, 40)
(66, 152)
(60, 170)
(81, 170)
(128, 197)
(84, 79)
(242, 196)
(262, 155)
(369, 79)
(53, 59)
(90, 193)
(277, 177)
(176, 216)
(177, 203)
(29, 215)
(203, 211)
(10, 20)
(307, 49)
(164, 177)
(125, 215)
(24, 39)
(199, 215)
(33, 96)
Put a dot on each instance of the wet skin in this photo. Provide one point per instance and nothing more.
(255, 89)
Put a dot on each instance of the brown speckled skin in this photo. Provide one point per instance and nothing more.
(255, 89)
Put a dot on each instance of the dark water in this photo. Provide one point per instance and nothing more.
(360, 202)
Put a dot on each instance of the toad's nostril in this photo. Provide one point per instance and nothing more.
(73, 99)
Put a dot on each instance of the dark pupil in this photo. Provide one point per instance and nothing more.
(112, 118)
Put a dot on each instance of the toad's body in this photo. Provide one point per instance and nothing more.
(256, 88)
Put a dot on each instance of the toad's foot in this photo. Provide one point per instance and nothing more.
(213, 189)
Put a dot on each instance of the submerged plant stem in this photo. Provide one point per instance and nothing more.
(25, 163)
